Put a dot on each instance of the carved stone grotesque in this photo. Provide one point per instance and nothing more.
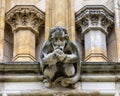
(60, 61)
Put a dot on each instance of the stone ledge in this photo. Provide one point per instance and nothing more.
(31, 71)
(57, 91)
(17, 75)
(39, 78)
(20, 67)
(100, 78)
(21, 78)
(86, 67)
(100, 67)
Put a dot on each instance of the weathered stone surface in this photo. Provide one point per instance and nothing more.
(25, 22)
(94, 22)
(25, 78)
(60, 60)
(2, 25)
(16, 84)
(60, 14)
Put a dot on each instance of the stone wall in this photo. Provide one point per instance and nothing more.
(40, 41)
(78, 4)
(25, 78)
(111, 44)
(12, 3)
(8, 52)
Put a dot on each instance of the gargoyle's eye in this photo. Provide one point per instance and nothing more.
(62, 39)
(55, 39)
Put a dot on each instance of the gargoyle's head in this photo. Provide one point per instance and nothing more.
(58, 37)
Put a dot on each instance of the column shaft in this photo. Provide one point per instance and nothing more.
(60, 13)
(24, 45)
(25, 21)
(117, 26)
(94, 22)
(95, 46)
(2, 25)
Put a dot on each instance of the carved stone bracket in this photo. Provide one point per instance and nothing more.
(93, 22)
(94, 17)
(26, 22)
(25, 16)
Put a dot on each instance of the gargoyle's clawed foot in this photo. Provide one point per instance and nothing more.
(47, 83)
(74, 86)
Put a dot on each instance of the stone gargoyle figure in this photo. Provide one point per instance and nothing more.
(60, 60)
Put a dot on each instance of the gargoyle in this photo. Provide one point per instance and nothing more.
(60, 59)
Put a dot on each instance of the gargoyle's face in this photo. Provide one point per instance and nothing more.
(58, 41)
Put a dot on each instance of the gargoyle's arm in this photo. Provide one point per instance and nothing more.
(49, 59)
(72, 58)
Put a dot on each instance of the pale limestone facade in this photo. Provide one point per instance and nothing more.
(94, 25)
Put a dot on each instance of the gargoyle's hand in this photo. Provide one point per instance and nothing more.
(53, 60)
(50, 59)
(60, 55)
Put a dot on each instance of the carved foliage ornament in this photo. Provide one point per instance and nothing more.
(21, 16)
(94, 10)
(60, 61)
(94, 17)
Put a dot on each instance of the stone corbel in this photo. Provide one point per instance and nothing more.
(25, 21)
(94, 17)
(94, 22)
(25, 16)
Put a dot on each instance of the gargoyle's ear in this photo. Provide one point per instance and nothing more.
(50, 33)
(66, 37)
(66, 33)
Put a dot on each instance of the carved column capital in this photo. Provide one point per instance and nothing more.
(25, 20)
(94, 17)
(25, 17)
(93, 22)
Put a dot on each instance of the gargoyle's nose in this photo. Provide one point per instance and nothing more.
(58, 42)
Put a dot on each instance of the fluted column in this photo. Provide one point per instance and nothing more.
(117, 26)
(94, 22)
(60, 13)
(25, 22)
(2, 25)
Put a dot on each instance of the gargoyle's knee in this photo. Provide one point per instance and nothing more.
(69, 70)
(50, 72)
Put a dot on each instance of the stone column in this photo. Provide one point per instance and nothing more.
(94, 22)
(25, 22)
(60, 13)
(117, 26)
(2, 25)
